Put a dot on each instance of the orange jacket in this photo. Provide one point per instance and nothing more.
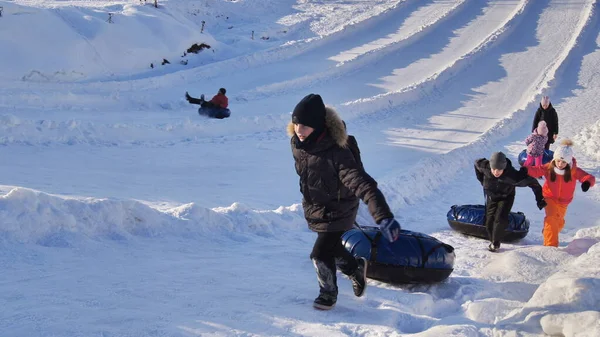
(221, 100)
(560, 190)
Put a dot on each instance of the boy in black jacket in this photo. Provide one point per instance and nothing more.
(499, 179)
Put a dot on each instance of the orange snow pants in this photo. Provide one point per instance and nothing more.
(553, 222)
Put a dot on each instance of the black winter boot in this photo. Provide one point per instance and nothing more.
(325, 301)
(359, 278)
(327, 284)
(494, 247)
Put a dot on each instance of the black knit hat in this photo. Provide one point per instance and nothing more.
(498, 161)
(310, 111)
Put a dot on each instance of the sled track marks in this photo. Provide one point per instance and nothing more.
(554, 71)
(387, 103)
(433, 173)
(357, 58)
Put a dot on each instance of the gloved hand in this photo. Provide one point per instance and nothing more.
(390, 228)
(585, 186)
(541, 203)
(187, 96)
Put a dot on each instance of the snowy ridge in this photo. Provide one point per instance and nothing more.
(30, 216)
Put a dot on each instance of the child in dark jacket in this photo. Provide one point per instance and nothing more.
(499, 179)
(331, 182)
(536, 143)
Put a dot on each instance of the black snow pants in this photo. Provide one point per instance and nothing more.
(496, 217)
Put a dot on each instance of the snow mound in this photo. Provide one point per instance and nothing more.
(588, 141)
(72, 43)
(567, 302)
(31, 216)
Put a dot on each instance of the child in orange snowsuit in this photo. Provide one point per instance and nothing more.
(561, 176)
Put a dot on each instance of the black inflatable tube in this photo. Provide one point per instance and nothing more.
(469, 220)
(413, 258)
(406, 275)
(481, 232)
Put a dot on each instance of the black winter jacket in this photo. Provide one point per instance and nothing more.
(503, 187)
(550, 117)
(332, 181)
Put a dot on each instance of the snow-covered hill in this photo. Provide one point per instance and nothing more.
(124, 213)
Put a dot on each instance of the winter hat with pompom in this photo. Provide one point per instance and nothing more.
(542, 128)
(564, 151)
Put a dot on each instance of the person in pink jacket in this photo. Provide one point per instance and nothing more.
(561, 176)
(536, 143)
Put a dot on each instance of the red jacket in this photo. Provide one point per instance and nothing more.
(221, 100)
(560, 190)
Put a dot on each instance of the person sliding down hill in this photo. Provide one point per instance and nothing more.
(499, 178)
(218, 101)
(331, 183)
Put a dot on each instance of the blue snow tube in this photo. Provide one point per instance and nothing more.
(218, 113)
(470, 220)
(546, 158)
(413, 258)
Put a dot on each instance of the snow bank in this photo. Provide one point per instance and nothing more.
(580, 324)
(35, 217)
(567, 302)
(74, 43)
(588, 141)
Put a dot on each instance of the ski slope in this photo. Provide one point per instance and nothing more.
(123, 213)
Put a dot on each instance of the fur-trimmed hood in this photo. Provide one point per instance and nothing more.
(334, 125)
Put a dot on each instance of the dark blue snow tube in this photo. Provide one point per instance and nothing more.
(413, 258)
(218, 113)
(470, 220)
(546, 158)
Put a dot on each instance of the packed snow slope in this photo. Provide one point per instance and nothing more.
(124, 213)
